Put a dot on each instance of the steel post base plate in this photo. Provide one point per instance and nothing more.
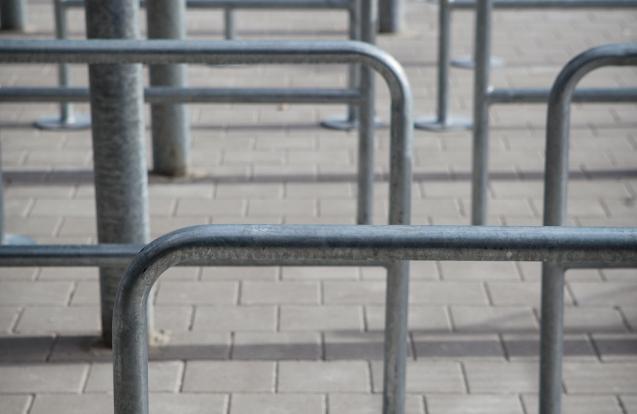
(466, 62)
(17, 239)
(79, 121)
(432, 124)
(347, 124)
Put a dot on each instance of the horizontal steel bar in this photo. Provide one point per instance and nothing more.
(248, 4)
(264, 245)
(535, 95)
(160, 94)
(549, 4)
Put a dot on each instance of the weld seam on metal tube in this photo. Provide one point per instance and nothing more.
(539, 95)
(555, 208)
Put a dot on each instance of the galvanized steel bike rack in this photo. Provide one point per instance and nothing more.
(13, 15)
(356, 10)
(555, 212)
(323, 245)
(237, 52)
(484, 96)
(443, 120)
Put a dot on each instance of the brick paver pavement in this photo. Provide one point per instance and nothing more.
(308, 339)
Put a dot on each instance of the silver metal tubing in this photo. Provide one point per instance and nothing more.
(229, 31)
(242, 52)
(549, 4)
(166, 19)
(391, 16)
(119, 157)
(248, 4)
(67, 118)
(480, 162)
(442, 121)
(167, 94)
(533, 95)
(13, 15)
(555, 202)
(263, 244)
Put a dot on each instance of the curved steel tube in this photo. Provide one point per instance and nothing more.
(267, 244)
(296, 52)
(555, 198)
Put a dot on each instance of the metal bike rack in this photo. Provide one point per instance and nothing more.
(67, 119)
(247, 53)
(312, 245)
(330, 245)
(555, 201)
(13, 15)
(443, 120)
(484, 96)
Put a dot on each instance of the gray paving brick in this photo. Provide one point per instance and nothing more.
(235, 318)
(253, 293)
(592, 319)
(15, 404)
(458, 346)
(14, 348)
(276, 345)
(473, 404)
(8, 316)
(616, 347)
(196, 293)
(279, 403)
(493, 319)
(162, 376)
(630, 403)
(45, 378)
(22, 274)
(630, 314)
(607, 293)
(321, 318)
(427, 376)
(190, 207)
(596, 378)
(313, 273)
(173, 318)
(35, 293)
(501, 377)
(229, 376)
(345, 403)
(432, 319)
(575, 404)
(59, 319)
(68, 273)
(188, 345)
(417, 271)
(103, 403)
(335, 376)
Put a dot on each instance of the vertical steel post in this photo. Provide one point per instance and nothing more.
(555, 196)
(170, 129)
(67, 119)
(366, 128)
(390, 16)
(229, 32)
(121, 189)
(480, 166)
(353, 75)
(13, 15)
(442, 121)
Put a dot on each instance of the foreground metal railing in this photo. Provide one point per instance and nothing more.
(304, 245)
(237, 52)
(443, 120)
